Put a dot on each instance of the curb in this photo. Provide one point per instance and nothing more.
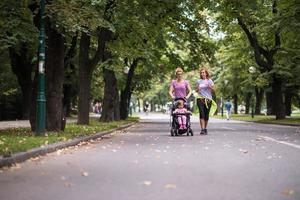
(39, 151)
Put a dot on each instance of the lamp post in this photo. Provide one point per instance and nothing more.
(126, 70)
(41, 100)
(252, 70)
(222, 98)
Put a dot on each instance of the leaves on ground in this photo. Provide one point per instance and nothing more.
(85, 174)
(147, 183)
(170, 186)
(288, 192)
(243, 150)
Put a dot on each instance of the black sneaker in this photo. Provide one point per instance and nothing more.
(205, 131)
(202, 132)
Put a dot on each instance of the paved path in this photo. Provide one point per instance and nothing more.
(236, 161)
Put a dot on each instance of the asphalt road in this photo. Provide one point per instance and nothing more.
(236, 161)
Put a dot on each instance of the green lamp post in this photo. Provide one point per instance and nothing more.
(252, 70)
(41, 100)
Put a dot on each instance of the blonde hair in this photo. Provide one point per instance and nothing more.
(206, 71)
(180, 103)
(178, 69)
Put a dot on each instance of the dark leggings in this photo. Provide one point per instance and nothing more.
(203, 110)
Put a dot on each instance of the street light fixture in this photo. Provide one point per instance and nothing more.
(41, 100)
(126, 70)
(252, 70)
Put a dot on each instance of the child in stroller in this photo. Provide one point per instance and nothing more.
(180, 119)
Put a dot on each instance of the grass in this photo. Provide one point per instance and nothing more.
(23, 139)
(267, 119)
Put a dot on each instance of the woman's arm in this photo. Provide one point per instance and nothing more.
(171, 91)
(197, 89)
(189, 91)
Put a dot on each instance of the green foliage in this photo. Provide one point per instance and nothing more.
(78, 15)
(261, 18)
(16, 24)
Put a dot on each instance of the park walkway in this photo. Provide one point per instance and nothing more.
(236, 161)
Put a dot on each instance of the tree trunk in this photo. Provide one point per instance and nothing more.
(124, 103)
(264, 58)
(116, 105)
(278, 98)
(22, 68)
(110, 93)
(248, 102)
(270, 104)
(235, 103)
(33, 106)
(298, 100)
(85, 77)
(86, 68)
(54, 79)
(70, 90)
(259, 94)
(126, 93)
(288, 102)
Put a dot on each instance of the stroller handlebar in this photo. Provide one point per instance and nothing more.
(182, 113)
(180, 98)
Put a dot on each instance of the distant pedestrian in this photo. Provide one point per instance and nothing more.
(228, 106)
(146, 108)
(205, 103)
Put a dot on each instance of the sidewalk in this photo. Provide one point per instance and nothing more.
(21, 124)
(14, 124)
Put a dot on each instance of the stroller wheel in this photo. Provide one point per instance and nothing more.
(176, 132)
(191, 132)
(172, 132)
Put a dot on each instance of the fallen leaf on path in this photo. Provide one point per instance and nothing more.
(147, 183)
(43, 173)
(35, 158)
(15, 167)
(288, 192)
(170, 186)
(68, 184)
(243, 150)
(58, 152)
(84, 174)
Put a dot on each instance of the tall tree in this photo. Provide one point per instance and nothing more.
(259, 22)
(17, 37)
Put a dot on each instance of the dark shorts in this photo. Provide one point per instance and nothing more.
(203, 110)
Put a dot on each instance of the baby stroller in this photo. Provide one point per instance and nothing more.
(174, 123)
